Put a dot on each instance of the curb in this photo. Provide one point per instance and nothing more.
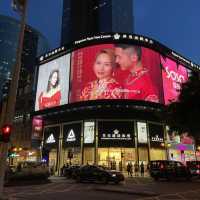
(128, 192)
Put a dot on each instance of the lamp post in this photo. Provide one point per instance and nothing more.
(8, 113)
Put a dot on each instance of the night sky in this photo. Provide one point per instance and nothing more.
(174, 23)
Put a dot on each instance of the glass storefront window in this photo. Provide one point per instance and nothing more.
(53, 161)
(181, 156)
(71, 156)
(116, 158)
(103, 157)
(157, 154)
(89, 155)
(143, 155)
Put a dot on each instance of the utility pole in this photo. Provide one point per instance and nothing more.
(8, 112)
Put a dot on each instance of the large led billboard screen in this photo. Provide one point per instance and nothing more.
(110, 70)
(174, 75)
(120, 71)
(53, 83)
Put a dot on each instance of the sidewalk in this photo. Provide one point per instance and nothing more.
(57, 178)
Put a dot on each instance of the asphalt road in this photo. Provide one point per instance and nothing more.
(132, 188)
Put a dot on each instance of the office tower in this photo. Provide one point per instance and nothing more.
(87, 17)
(34, 44)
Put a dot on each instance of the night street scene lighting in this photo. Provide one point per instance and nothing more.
(110, 113)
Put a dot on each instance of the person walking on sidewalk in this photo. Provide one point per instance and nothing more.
(128, 168)
(131, 169)
(136, 168)
(142, 168)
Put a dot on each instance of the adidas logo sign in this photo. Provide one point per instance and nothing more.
(71, 136)
(50, 139)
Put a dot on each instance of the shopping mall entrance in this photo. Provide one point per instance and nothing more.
(116, 158)
(53, 161)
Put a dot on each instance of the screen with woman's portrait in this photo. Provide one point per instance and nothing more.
(53, 83)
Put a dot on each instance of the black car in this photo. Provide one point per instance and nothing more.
(194, 167)
(70, 172)
(91, 173)
(168, 170)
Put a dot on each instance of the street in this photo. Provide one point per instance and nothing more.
(133, 188)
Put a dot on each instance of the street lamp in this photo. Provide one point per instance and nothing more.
(8, 110)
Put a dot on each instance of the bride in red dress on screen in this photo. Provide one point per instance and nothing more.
(105, 86)
(51, 97)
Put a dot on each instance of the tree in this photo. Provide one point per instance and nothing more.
(184, 114)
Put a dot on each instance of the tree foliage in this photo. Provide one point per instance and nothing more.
(184, 115)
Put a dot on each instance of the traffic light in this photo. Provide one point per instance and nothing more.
(6, 132)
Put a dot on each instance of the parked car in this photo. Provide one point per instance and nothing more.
(30, 170)
(194, 167)
(70, 171)
(92, 173)
(168, 170)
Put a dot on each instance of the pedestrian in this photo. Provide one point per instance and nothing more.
(114, 165)
(128, 169)
(142, 168)
(120, 166)
(67, 165)
(62, 170)
(19, 167)
(52, 170)
(131, 169)
(136, 168)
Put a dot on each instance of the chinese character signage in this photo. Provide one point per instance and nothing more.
(116, 133)
(37, 128)
(156, 134)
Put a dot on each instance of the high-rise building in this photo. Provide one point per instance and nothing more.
(34, 44)
(83, 17)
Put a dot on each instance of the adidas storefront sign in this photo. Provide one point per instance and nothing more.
(50, 139)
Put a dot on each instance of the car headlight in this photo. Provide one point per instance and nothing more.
(114, 175)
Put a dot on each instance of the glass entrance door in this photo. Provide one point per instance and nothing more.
(53, 161)
(143, 155)
(116, 158)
